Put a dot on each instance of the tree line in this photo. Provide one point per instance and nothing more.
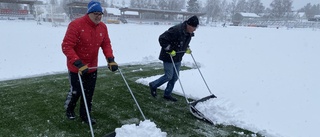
(216, 10)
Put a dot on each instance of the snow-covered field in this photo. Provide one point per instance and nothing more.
(266, 79)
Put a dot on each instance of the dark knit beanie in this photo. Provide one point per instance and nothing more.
(193, 21)
(94, 6)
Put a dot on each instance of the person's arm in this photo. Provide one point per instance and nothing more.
(69, 42)
(108, 52)
(167, 39)
(106, 46)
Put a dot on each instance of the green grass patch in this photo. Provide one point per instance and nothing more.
(33, 107)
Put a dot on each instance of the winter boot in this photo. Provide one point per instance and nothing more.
(70, 115)
(153, 90)
(85, 120)
(170, 98)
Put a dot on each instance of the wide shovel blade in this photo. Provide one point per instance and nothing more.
(194, 103)
(195, 112)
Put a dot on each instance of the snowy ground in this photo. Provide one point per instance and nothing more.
(266, 79)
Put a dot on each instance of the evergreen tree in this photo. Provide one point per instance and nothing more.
(311, 10)
(280, 8)
(193, 6)
(175, 5)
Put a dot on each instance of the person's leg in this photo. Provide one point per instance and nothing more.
(168, 74)
(89, 83)
(73, 95)
(171, 83)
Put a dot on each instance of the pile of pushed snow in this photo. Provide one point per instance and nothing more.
(144, 129)
(220, 111)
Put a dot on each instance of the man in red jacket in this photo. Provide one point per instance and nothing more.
(83, 39)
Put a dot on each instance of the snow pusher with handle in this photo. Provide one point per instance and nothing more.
(192, 105)
(113, 134)
(85, 104)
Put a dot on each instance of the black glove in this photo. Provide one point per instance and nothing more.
(83, 69)
(113, 66)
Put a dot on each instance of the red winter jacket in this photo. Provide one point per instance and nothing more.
(83, 40)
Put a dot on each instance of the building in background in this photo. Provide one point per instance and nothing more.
(18, 9)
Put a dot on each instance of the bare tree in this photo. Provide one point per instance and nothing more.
(242, 6)
(137, 3)
(54, 2)
(213, 10)
(225, 10)
(232, 7)
(255, 6)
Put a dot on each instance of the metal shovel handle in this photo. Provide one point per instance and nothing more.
(201, 74)
(125, 81)
(86, 105)
(135, 100)
(174, 66)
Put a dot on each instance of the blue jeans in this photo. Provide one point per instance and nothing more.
(169, 76)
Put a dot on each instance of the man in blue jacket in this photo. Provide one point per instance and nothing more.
(174, 43)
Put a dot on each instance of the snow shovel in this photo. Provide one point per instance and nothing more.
(194, 103)
(113, 134)
(195, 112)
(125, 81)
(135, 100)
(85, 104)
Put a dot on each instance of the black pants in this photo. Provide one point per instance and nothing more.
(88, 82)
